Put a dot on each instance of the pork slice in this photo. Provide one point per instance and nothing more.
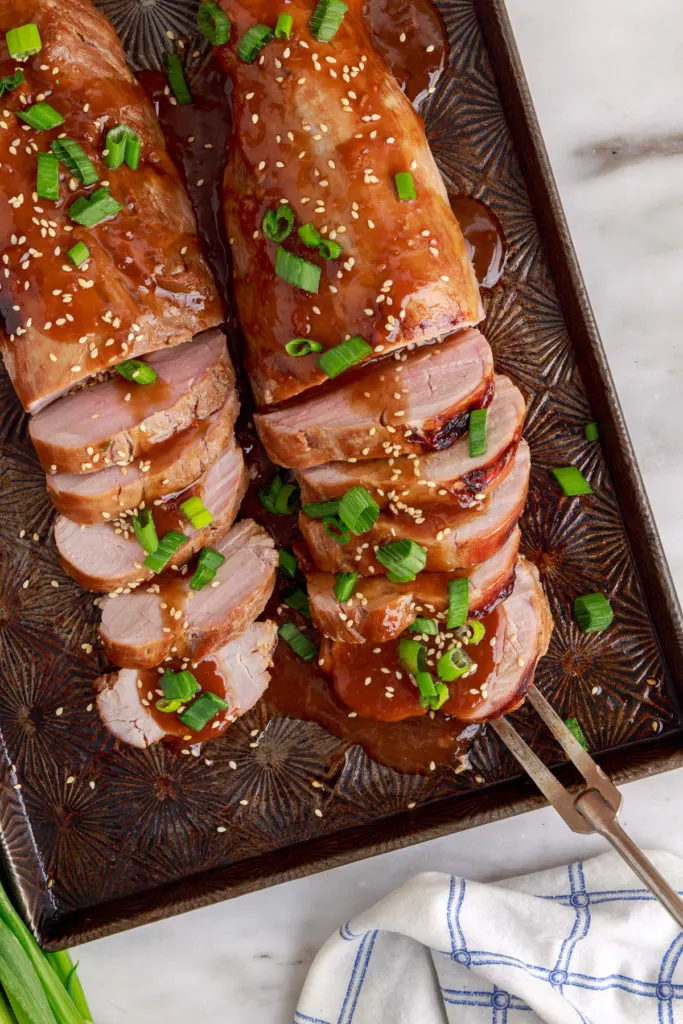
(379, 610)
(448, 475)
(455, 539)
(170, 467)
(240, 667)
(99, 425)
(391, 407)
(107, 556)
(144, 627)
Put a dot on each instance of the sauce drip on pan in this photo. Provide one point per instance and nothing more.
(411, 37)
(484, 237)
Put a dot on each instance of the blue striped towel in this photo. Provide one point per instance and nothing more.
(584, 943)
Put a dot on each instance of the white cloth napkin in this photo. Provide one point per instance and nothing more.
(584, 943)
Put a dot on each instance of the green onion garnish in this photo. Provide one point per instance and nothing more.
(453, 664)
(405, 186)
(309, 236)
(302, 346)
(478, 632)
(122, 143)
(279, 498)
(429, 627)
(590, 431)
(277, 224)
(283, 29)
(576, 731)
(298, 600)
(202, 710)
(592, 612)
(89, 212)
(297, 271)
(288, 562)
(344, 585)
(169, 707)
(79, 253)
(412, 655)
(41, 116)
(359, 510)
(213, 23)
(299, 643)
(136, 371)
(442, 696)
(329, 250)
(321, 509)
(340, 358)
(75, 160)
(477, 429)
(180, 686)
(458, 602)
(326, 19)
(47, 181)
(571, 480)
(145, 530)
(168, 545)
(176, 78)
(24, 41)
(10, 82)
(196, 512)
(207, 564)
(336, 530)
(403, 560)
(425, 685)
(252, 42)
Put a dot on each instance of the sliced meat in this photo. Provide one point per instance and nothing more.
(448, 475)
(237, 672)
(142, 628)
(373, 682)
(113, 421)
(452, 540)
(107, 556)
(416, 403)
(379, 610)
(170, 467)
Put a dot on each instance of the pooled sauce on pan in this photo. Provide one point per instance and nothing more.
(484, 237)
(411, 37)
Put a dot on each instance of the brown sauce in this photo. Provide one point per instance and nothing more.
(211, 679)
(411, 37)
(142, 399)
(484, 238)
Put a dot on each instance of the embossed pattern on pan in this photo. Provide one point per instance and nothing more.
(99, 838)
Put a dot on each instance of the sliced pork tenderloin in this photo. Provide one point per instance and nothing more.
(166, 619)
(417, 402)
(238, 671)
(112, 421)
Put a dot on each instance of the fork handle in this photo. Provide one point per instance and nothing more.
(600, 815)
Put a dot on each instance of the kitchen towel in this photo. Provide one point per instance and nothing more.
(584, 943)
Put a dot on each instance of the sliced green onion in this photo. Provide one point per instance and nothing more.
(429, 627)
(592, 612)
(309, 235)
(268, 494)
(196, 512)
(277, 224)
(252, 42)
(99, 207)
(336, 530)
(298, 641)
(590, 431)
(302, 346)
(122, 143)
(403, 560)
(453, 664)
(78, 253)
(288, 562)
(10, 82)
(329, 249)
(576, 731)
(458, 602)
(41, 116)
(298, 600)
(405, 186)
(283, 29)
(75, 161)
(24, 41)
(321, 509)
(145, 530)
(168, 545)
(412, 655)
(571, 480)
(202, 710)
(359, 510)
(179, 685)
(297, 271)
(340, 358)
(326, 19)
(279, 498)
(47, 181)
(477, 428)
(136, 371)
(209, 561)
(441, 697)
(213, 23)
(478, 632)
(425, 684)
(344, 585)
(201, 578)
(168, 707)
(176, 78)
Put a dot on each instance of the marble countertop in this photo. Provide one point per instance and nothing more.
(603, 78)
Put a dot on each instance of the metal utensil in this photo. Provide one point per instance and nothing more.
(595, 807)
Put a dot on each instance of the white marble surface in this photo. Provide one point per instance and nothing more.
(605, 75)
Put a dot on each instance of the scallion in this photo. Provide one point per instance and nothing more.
(309, 235)
(47, 179)
(78, 253)
(428, 627)
(196, 512)
(213, 23)
(340, 358)
(458, 602)
(359, 510)
(425, 685)
(202, 710)
(402, 559)
(477, 432)
(453, 664)
(412, 655)
(75, 161)
(122, 143)
(591, 432)
(176, 78)
(41, 116)
(277, 224)
(288, 562)
(298, 641)
(576, 731)
(336, 530)
(279, 498)
(208, 563)
(478, 632)
(441, 697)
(283, 28)
(179, 685)
(24, 41)
(329, 249)
(168, 706)
(136, 371)
(10, 82)
(302, 347)
(344, 585)
(321, 509)
(89, 212)
(405, 186)
(145, 530)
(326, 19)
(168, 545)
(297, 599)
(592, 612)
(253, 41)
(571, 480)
(297, 271)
